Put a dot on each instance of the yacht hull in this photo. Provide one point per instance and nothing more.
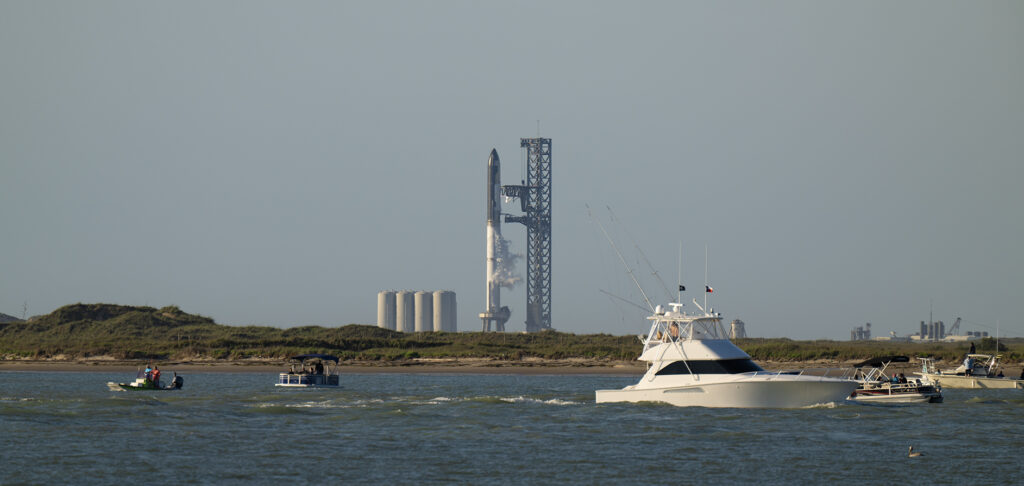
(738, 394)
(962, 381)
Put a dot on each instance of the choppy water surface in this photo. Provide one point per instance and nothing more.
(238, 428)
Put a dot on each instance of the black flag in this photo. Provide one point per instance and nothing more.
(682, 288)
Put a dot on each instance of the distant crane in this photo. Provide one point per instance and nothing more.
(955, 330)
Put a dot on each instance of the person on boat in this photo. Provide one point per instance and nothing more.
(149, 373)
(155, 375)
(903, 378)
(968, 365)
(319, 368)
(972, 349)
(1022, 373)
(673, 331)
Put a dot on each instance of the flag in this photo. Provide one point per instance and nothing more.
(708, 289)
(682, 288)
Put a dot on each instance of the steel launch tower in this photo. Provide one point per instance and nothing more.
(535, 200)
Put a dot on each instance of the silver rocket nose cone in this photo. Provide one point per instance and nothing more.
(493, 159)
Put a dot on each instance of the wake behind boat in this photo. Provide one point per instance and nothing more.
(691, 363)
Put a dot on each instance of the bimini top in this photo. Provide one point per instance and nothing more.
(325, 357)
(882, 361)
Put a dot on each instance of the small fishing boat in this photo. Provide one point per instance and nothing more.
(144, 382)
(310, 371)
(691, 362)
(875, 386)
(977, 371)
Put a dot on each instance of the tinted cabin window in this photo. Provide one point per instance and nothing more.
(710, 367)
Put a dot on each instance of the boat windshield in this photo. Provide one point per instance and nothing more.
(670, 329)
(710, 367)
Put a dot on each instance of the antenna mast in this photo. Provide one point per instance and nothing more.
(679, 293)
(705, 277)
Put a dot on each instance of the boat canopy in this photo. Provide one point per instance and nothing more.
(882, 361)
(324, 357)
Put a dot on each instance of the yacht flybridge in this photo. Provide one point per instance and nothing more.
(691, 362)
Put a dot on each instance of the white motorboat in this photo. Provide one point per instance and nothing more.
(145, 381)
(310, 371)
(875, 386)
(691, 362)
(977, 371)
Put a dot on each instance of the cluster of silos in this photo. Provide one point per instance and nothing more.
(416, 311)
(933, 331)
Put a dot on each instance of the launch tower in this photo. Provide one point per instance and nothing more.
(535, 200)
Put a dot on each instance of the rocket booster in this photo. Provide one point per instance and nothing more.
(493, 311)
(493, 230)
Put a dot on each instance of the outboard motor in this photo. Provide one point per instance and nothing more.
(177, 382)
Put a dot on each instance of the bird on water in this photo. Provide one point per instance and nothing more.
(911, 453)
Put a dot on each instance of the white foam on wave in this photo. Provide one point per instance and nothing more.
(553, 401)
(822, 405)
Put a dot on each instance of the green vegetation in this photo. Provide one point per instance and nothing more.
(781, 349)
(124, 332)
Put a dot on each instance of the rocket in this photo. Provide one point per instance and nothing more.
(493, 311)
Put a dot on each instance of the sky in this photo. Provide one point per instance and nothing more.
(279, 163)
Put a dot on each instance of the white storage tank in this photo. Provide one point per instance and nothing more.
(444, 311)
(404, 311)
(439, 311)
(424, 308)
(448, 311)
(386, 309)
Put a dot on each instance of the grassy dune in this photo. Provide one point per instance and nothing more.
(124, 332)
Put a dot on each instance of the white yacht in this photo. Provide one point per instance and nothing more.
(691, 362)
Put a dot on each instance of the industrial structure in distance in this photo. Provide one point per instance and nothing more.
(930, 332)
(417, 311)
(534, 195)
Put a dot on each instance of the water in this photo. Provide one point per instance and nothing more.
(226, 428)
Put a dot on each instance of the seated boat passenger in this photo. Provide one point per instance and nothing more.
(673, 331)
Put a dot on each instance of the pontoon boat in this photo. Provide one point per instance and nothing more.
(878, 387)
(310, 371)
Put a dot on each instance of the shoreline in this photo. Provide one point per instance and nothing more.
(463, 366)
(529, 366)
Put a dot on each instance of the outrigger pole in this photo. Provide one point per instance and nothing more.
(621, 259)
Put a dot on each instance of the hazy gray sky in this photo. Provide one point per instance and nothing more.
(281, 162)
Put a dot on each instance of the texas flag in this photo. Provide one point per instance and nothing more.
(708, 289)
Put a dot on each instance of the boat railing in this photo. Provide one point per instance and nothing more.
(840, 373)
(307, 379)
